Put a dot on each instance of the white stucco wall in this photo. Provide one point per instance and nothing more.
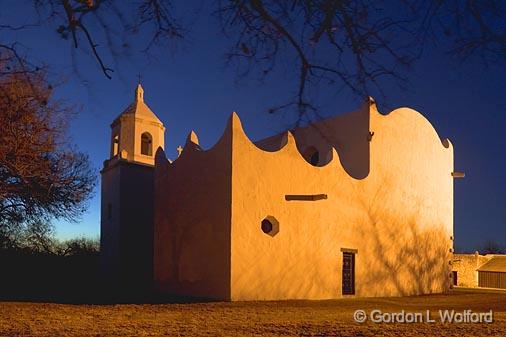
(398, 217)
(192, 222)
(390, 199)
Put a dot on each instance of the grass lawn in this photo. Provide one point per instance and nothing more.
(287, 318)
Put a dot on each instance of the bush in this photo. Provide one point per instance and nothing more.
(40, 267)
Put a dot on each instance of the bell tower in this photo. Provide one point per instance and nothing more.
(137, 132)
(126, 223)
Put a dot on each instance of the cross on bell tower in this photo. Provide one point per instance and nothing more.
(139, 93)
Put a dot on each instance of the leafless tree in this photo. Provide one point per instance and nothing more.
(476, 27)
(41, 175)
(354, 44)
(79, 21)
(329, 44)
(491, 247)
(80, 246)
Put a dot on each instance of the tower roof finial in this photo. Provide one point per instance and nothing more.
(139, 93)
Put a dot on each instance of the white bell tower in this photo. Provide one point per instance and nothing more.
(127, 197)
(137, 132)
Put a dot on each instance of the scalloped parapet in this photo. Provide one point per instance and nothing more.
(192, 137)
(410, 119)
(388, 197)
(403, 120)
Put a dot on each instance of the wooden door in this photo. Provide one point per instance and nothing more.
(348, 276)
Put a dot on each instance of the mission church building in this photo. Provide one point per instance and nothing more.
(360, 204)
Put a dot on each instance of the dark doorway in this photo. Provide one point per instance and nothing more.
(454, 277)
(348, 273)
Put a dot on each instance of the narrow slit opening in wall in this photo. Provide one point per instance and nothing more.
(115, 146)
(109, 211)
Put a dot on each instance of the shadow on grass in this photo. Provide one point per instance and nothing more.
(41, 277)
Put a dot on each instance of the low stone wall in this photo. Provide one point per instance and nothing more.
(465, 265)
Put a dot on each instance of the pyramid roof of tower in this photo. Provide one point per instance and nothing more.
(139, 108)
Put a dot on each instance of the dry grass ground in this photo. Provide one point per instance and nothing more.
(288, 318)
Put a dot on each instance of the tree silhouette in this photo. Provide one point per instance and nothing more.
(41, 175)
(331, 44)
(491, 247)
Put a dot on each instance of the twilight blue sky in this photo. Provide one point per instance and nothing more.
(192, 89)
